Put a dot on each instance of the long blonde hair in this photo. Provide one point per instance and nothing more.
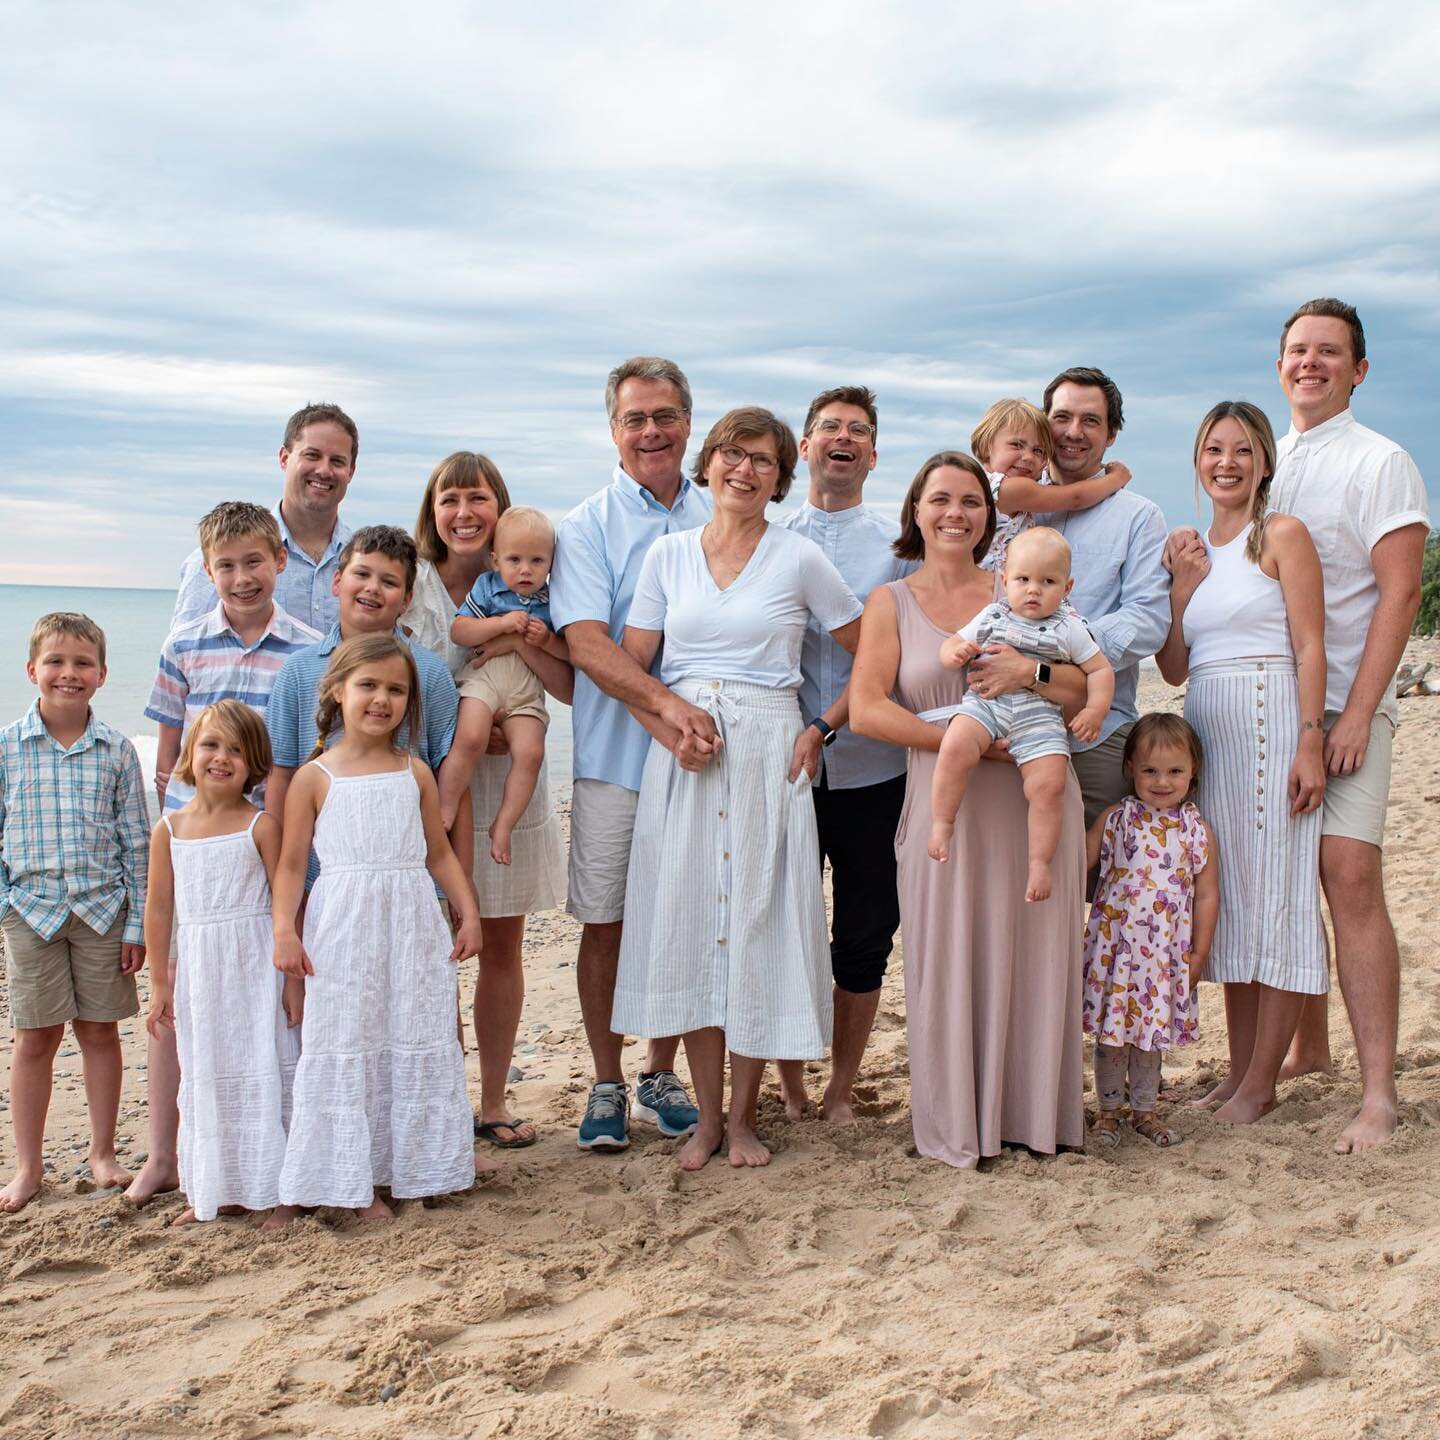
(347, 659)
(1256, 425)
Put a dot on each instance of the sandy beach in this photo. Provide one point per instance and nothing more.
(1249, 1282)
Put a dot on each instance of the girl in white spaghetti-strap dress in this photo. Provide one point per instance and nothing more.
(380, 1093)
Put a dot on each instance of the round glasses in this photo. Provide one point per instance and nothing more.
(855, 429)
(761, 464)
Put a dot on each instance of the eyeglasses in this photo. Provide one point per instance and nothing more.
(760, 463)
(855, 429)
(665, 418)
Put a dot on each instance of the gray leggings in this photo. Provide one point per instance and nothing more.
(1111, 1063)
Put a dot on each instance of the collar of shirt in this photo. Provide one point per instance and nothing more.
(636, 494)
(1321, 434)
(33, 727)
(333, 637)
(279, 624)
(338, 536)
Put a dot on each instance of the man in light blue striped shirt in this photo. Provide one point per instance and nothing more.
(859, 789)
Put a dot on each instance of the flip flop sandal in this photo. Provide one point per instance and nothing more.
(490, 1130)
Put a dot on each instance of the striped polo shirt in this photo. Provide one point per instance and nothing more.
(204, 660)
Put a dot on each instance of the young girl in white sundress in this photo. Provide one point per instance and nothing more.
(211, 865)
(380, 1089)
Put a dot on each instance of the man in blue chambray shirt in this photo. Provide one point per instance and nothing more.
(599, 548)
(1122, 591)
(859, 789)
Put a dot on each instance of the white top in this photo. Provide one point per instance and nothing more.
(752, 631)
(1237, 610)
(1351, 487)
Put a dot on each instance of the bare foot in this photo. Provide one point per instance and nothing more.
(1373, 1126)
(838, 1109)
(485, 1165)
(1213, 1099)
(155, 1178)
(19, 1193)
(1037, 886)
(1306, 1064)
(108, 1171)
(279, 1217)
(185, 1218)
(797, 1102)
(746, 1149)
(704, 1142)
(940, 842)
(1240, 1109)
(377, 1209)
(499, 844)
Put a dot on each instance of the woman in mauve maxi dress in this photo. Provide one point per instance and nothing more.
(992, 984)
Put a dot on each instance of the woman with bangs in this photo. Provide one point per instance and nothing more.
(464, 497)
(1247, 632)
(724, 940)
(992, 984)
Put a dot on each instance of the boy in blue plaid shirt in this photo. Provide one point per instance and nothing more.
(74, 842)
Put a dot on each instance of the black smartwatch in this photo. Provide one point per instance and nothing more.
(1042, 674)
(827, 731)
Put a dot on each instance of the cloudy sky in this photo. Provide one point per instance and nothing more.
(453, 218)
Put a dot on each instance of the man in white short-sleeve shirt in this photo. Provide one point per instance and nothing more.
(1364, 503)
(600, 546)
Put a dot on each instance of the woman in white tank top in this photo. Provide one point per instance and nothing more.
(1247, 631)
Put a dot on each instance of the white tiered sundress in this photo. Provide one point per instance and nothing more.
(237, 1054)
(380, 1089)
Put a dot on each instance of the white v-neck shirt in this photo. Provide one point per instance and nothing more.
(754, 629)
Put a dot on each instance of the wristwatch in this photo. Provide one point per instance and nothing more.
(1042, 675)
(827, 731)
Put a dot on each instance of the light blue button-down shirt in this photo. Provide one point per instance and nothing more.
(857, 543)
(1122, 591)
(599, 548)
(303, 589)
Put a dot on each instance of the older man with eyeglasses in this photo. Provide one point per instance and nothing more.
(860, 787)
(599, 549)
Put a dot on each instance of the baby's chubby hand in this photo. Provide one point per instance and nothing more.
(516, 622)
(1086, 725)
(958, 651)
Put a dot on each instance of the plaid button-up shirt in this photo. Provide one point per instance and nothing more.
(74, 828)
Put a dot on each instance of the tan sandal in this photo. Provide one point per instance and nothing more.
(1153, 1129)
(1106, 1129)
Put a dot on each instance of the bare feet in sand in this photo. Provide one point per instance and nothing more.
(19, 1193)
(185, 1218)
(1220, 1095)
(1242, 1109)
(838, 1109)
(1037, 885)
(377, 1209)
(279, 1217)
(796, 1106)
(154, 1179)
(1373, 1126)
(704, 1142)
(108, 1172)
(746, 1149)
(1306, 1064)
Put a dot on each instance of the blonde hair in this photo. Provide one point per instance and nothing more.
(1037, 535)
(464, 470)
(1011, 415)
(241, 725)
(1256, 425)
(524, 517)
(235, 520)
(71, 623)
(347, 659)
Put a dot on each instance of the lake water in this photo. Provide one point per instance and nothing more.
(135, 623)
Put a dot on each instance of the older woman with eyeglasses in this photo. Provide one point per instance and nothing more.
(724, 939)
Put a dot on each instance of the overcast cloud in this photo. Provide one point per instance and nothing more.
(453, 220)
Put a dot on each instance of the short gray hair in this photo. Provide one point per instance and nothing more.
(645, 367)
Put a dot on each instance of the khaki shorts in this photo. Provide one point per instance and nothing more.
(602, 822)
(505, 683)
(74, 976)
(1355, 804)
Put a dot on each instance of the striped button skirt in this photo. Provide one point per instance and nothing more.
(724, 913)
(1247, 715)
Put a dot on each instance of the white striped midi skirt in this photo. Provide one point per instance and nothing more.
(724, 913)
(1247, 715)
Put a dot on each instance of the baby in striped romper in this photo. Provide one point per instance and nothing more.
(1036, 580)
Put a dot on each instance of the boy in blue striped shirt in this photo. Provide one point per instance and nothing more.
(74, 837)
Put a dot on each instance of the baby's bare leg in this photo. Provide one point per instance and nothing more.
(103, 1069)
(965, 741)
(1044, 781)
(525, 736)
(472, 735)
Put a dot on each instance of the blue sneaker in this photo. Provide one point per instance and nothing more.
(606, 1125)
(662, 1100)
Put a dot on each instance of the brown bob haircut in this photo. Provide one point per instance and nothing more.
(750, 422)
(910, 545)
(1159, 729)
(322, 415)
(241, 725)
(464, 470)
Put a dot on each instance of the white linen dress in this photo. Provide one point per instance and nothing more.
(724, 911)
(380, 1088)
(237, 1054)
